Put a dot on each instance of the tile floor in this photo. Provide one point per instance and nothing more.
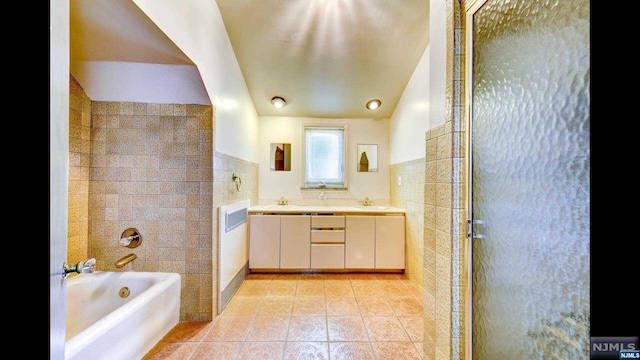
(307, 316)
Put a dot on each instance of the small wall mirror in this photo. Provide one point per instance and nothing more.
(280, 157)
(367, 160)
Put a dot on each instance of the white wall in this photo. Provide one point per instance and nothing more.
(196, 27)
(422, 106)
(274, 184)
(437, 63)
(410, 119)
(58, 170)
(140, 82)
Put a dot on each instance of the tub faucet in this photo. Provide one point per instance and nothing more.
(125, 260)
(87, 266)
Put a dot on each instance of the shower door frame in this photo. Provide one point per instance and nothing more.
(470, 8)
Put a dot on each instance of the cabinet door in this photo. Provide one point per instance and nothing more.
(264, 241)
(360, 242)
(390, 242)
(295, 241)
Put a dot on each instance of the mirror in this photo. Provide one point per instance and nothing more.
(367, 158)
(280, 157)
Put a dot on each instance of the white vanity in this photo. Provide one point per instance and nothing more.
(294, 237)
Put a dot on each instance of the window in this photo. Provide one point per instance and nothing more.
(324, 164)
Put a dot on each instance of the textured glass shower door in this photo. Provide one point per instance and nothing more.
(529, 181)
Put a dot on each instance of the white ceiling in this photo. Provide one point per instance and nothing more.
(327, 58)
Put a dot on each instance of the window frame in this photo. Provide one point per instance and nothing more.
(309, 182)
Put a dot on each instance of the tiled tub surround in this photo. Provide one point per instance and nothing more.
(151, 168)
(148, 166)
(307, 316)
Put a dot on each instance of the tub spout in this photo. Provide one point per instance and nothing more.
(87, 266)
(125, 260)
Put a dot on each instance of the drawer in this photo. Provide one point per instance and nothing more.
(327, 256)
(327, 236)
(329, 221)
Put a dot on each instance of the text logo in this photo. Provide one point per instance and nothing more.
(613, 347)
(629, 354)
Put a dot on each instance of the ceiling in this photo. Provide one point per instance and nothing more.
(326, 58)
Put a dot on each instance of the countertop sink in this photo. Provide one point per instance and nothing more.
(371, 207)
(278, 207)
(323, 209)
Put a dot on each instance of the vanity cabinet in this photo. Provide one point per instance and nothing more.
(327, 241)
(295, 241)
(264, 244)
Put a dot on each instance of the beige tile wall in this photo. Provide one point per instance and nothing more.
(410, 195)
(445, 214)
(152, 169)
(79, 159)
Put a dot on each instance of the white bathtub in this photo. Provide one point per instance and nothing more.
(103, 325)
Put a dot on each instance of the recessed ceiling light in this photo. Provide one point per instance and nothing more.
(278, 102)
(373, 104)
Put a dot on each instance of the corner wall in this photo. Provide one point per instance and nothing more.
(79, 161)
(445, 202)
(408, 192)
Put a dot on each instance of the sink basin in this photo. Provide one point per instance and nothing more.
(371, 207)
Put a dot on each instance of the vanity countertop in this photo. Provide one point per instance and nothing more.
(323, 209)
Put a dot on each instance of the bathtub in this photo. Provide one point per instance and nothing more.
(119, 315)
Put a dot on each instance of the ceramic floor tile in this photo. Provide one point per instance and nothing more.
(406, 306)
(309, 306)
(269, 328)
(281, 288)
(385, 328)
(395, 289)
(369, 289)
(351, 351)
(310, 288)
(261, 350)
(252, 289)
(342, 306)
(229, 328)
(276, 306)
(226, 350)
(315, 315)
(242, 305)
(308, 328)
(346, 328)
(338, 289)
(188, 331)
(171, 351)
(377, 306)
(395, 351)
(414, 325)
(306, 350)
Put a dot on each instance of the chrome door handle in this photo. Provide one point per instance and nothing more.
(469, 229)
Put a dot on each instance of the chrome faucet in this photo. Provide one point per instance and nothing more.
(282, 201)
(367, 202)
(87, 266)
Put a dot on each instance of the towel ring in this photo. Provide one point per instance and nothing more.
(237, 180)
